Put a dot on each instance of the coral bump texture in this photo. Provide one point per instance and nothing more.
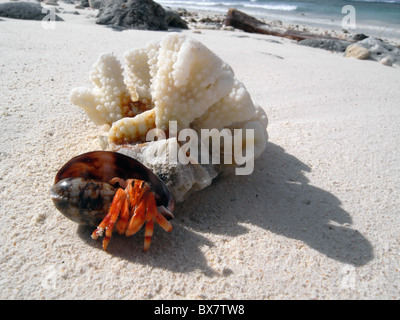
(177, 79)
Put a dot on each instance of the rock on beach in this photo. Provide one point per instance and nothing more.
(138, 14)
(173, 19)
(357, 51)
(135, 14)
(381, 51)
(327, 44)
(23, 10)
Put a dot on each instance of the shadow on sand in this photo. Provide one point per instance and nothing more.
(278, 198)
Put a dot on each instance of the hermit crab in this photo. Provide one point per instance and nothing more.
(169, 116)
(114, 192)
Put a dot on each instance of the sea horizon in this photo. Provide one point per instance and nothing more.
(379, 18)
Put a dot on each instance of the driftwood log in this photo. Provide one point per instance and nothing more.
(241, 20)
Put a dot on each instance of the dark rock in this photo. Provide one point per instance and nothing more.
(133, 14)
(359, 37)
(327, 44)
(95, 4)
(23, 10)
(70, 12)
(85, 3)
(183, 12)
(173, 19)
(206, 20)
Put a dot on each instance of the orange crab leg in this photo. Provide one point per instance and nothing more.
(122, 222)
(138, 219)
(164, 223)
(151, 213)
(137, 194)
(115, 210)
(131, 191)
(101, 227)
(108, 222)
(135, 190)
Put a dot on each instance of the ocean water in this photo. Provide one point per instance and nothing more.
(373, 17)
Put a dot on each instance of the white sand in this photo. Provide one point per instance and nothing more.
(319, 217)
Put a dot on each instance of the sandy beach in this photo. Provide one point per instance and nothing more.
(317, 219)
